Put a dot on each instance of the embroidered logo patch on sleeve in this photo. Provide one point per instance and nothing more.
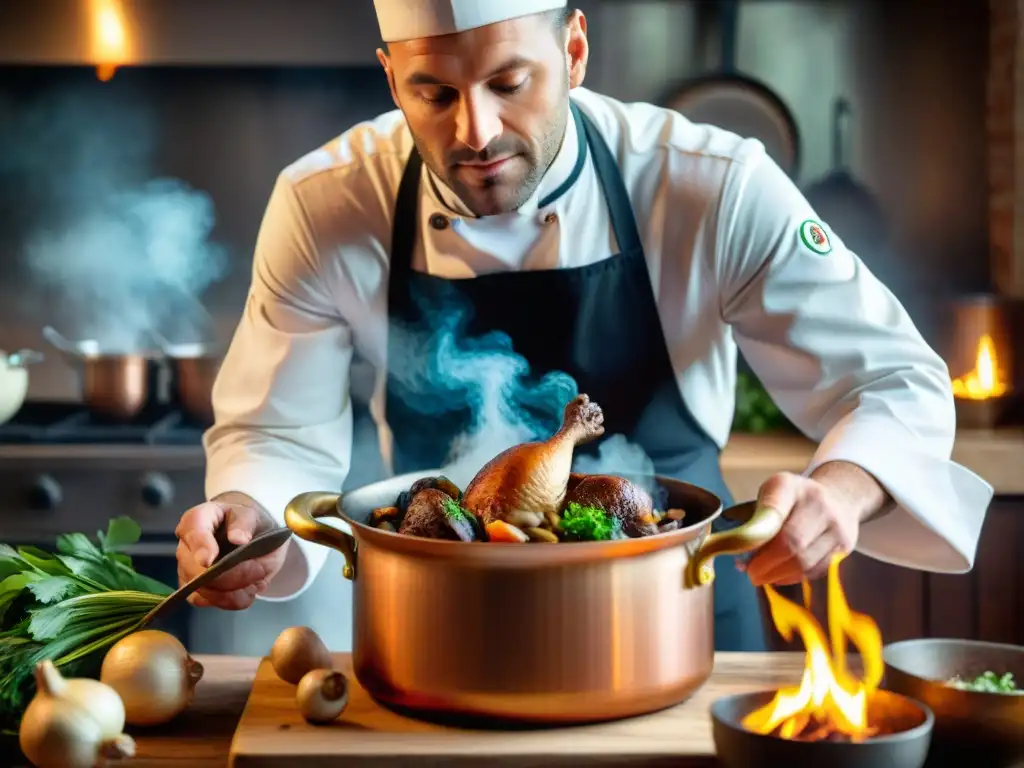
(813, 236)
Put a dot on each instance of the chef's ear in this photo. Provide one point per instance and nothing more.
(385, 62)
(577, 49)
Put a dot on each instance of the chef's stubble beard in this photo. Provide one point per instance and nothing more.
(551, 143)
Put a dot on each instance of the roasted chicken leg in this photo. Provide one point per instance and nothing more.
(527, 483)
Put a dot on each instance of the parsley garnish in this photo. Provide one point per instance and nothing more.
(585, 523)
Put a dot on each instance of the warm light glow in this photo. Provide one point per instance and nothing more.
(985, 380)
(111, 46)
(829, 699)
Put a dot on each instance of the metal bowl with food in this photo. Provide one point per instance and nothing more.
(534, 594)
(974, 689)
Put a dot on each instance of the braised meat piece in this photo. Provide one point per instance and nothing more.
(526, 484)
(624, 501)
(433, 514)
(440, 482)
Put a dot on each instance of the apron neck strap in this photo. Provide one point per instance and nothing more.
(406, 221)
(620, 209)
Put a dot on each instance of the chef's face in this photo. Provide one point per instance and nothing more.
(488, 107)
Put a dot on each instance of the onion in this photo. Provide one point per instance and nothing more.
(322, 695)
(297, 651)
(73, 723)
(153, 674)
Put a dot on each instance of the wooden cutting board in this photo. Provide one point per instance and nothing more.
(272, 733)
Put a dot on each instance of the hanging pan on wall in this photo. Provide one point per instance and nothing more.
(738, 103)
(846, 205)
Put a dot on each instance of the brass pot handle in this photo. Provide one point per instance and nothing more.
(301, 517)
(763, 524)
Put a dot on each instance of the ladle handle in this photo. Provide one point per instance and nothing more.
(229, 557)
(76, 353)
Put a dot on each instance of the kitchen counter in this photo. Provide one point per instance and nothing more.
(995, 455)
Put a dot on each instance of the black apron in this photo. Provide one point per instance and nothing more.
(597, 323)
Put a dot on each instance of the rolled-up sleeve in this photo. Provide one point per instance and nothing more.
(281, 400)
(845, 363)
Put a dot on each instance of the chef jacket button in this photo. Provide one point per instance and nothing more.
(551, 218)
(439, 221)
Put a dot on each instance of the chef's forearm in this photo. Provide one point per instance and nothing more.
(857, 487)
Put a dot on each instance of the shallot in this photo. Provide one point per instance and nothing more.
(322, 695)
(72, 723)
(297, 651)
(153, 674)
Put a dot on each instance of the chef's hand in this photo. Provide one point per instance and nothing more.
(825, 512)
(237, 588)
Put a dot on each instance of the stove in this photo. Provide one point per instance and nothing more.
(64, 469)
(71, 424)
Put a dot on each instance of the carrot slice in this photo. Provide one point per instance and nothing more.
(499, 530)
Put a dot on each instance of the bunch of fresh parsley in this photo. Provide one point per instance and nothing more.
(68, 606)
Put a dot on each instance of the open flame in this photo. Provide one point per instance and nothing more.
(111, 46)
(985, 381)
(829, 701)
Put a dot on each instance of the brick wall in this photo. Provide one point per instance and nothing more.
(1006, 146)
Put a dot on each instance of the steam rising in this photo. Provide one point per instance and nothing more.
(507, 405)
(120, 249)
(126, 252)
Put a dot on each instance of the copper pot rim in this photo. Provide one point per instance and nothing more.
(511, 554)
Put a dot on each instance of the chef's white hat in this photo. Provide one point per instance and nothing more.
(411, 19)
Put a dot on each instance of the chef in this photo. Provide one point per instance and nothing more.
(618, 243)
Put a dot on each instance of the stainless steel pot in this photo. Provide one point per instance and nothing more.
(114, 385)
(558, 634)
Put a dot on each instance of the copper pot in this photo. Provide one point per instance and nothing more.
(114, 385)
(194, 380)
(194, 369)
(194, 376)
(557, 634)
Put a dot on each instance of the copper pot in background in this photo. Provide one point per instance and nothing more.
(116, 386)
(194, 369)
(530, 633)
(113, 385)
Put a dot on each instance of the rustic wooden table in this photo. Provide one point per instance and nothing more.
(201, 737)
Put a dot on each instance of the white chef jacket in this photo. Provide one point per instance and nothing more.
(720, 227)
